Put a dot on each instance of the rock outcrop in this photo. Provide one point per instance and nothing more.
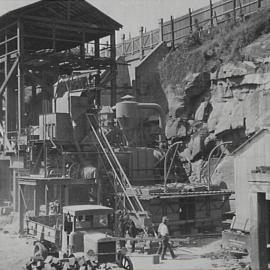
(224, 97)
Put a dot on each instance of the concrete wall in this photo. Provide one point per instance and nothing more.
(253, 154)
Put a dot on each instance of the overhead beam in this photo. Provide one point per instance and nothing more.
(69, 23)
(51, 38)
(65, 27)
(4, 84)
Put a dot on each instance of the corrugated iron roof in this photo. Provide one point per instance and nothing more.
(79, 11)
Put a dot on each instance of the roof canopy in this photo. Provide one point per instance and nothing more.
(76, 21)
(69, 10)
(87, 209)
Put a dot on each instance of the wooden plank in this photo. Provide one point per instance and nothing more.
(51, 38)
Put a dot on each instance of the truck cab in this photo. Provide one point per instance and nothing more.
(88, 229)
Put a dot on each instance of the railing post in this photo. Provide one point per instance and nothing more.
(123, 44)
(234, 10)
(212, 14)
(259, 4)
(141, 42)
(172, 30)
(151, 40)
(190, 20)
(161, 30)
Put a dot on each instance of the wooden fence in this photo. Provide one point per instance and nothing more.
(176, 30)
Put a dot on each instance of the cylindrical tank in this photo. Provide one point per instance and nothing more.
(128, 109)
(127, 113)
(128, 116)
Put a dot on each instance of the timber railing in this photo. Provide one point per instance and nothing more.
(174, 31)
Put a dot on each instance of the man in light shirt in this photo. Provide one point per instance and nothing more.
(163, 233)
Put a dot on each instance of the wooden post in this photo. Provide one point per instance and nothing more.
(66, 195)
(258, 227)
(132, 45)
(20, 47)
(99, 182)
(82, 47)
(123, 44)
(97, 78)
(190, 20)
(15, 190)
(211, 13)
(234, 10)
(7, 66)
(113, 69)
(21, 208)
(141, 43)
(53, 36)
(46, 189)
(172, 32)
(161, 33)
(151, 40)
(36, 205)
(259, 4)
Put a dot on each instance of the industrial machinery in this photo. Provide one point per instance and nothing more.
(83, 229)
(115, 158)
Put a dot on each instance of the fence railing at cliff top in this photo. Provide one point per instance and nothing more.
(176, 30)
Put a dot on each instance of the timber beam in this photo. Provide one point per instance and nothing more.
(4, 84)
(88, 26)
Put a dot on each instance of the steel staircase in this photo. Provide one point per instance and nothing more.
(121, 177)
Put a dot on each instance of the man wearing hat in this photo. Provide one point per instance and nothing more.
(163, 233)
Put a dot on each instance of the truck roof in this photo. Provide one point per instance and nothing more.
(87, 209)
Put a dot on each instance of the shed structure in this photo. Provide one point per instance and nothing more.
(43, 40)
(38, 43)
(252, 194)
(250, 155)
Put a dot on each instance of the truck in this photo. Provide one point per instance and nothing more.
(81, 229)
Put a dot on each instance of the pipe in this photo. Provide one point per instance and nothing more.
(209, 158)
(162, 115)
(166, 174)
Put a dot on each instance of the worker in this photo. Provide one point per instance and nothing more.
(132, 232)
(163, 233)
(121, 228)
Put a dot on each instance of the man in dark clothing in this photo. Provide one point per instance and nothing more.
(132, 232)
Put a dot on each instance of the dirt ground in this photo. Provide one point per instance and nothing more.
(205, 253)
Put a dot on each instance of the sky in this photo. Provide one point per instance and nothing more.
(132, 14)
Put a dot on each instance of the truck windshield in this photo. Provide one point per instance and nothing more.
(92, 222)
(101, 221)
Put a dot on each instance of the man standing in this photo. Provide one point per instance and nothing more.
(163, 233)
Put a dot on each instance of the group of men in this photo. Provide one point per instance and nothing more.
(127, 225)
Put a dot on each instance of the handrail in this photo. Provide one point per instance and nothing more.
(202, 12)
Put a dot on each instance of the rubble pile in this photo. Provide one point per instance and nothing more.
(72, 263)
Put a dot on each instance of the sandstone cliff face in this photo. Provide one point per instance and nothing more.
(225, 97)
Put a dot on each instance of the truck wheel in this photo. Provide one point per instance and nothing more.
(40, 250)
(124, 262)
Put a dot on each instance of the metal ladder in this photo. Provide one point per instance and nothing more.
(121, 177)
